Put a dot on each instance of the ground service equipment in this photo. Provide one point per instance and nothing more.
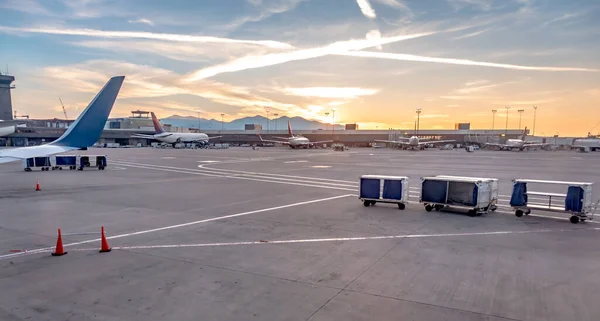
(98, 161)
(42, 163)
(475, 194)
(64, 161)
(577, 201)
(384, 189)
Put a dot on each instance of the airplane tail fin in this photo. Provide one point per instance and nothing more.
(524, 134)
(87, 128)
(157, 126)
(290, 129)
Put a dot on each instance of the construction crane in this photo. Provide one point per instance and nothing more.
(63, 107)
(21, 116)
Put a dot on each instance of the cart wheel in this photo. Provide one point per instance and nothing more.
(472, 213)
(401, 206)
(373, 203)
(527, 212)
(519, 213)
(438, 207)
(574, 219)
(428, 208)
(60, 168)
(493, 208)
(366, 203)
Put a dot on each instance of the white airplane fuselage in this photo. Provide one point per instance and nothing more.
(172, 138)
(515, 143)
(297, 141)
(4, 131)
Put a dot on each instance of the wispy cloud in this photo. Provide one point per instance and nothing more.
(472, 34)
(145, 35)
(477, 82)
(331, 92)
(452, 61)
(394, 4)
(142, 20)
(480, 4)
(28, 6)
(366, 9)
(566, 16)
(258, 61)
(266, 10)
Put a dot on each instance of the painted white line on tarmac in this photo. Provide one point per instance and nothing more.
(170, 227)
(340, 239)
(296, 182)
(254, 176)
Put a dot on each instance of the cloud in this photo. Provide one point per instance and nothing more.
(472, 34)
(452, 61)
(146, 35)
(142, 20)
(189, 52)
(394, 4)
(268, 9)
(480, 4)
(331, 92)
(27, 6)
(477, 82)
(366, 9)
(452, 105)
(564, 17)
(258, 61)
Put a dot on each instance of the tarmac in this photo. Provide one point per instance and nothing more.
(280, 234)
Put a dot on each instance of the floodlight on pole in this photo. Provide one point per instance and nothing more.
(222, 124)
(493, 117)
(418, 119)
(534, 116)
(521, 111)
(506, 127)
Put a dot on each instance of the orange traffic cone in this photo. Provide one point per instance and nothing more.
(37, 185)
(59, 246)
(104, 246)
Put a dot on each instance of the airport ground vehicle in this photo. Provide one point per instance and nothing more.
(576, 202)
(33, 163)
(98, 161)
(476, 195)
(384, 189)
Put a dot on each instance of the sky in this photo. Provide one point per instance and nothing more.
(371, 62)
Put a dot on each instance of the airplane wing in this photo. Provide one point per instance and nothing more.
(436, 142)
(392, 142)
(495, 144)
(322, 142)
(142, 136)
(82, 133)
(273, 141)
(213, 137)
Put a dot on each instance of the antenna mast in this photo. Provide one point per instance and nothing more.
(63, 107)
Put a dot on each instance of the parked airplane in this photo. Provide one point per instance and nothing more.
(519, 144)
(414, 142)
(84, 132)
(174, 138)
(295, 141)
(5, 131)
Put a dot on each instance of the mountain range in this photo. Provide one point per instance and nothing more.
(239, 124)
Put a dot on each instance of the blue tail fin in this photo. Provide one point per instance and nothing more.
(86, 129)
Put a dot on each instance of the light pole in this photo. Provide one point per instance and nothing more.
(493, 118)
(506, 127)
(326, 115)
(534, 114)
(418, 119)
(275, 115)
(520, 115)
(222, 125)
(267, 121)
(333, 123)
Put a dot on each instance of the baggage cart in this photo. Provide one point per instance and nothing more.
(578, 198)
(65, 161)
(384, 189)
(477, 195)
(98, 161)
(41, 163)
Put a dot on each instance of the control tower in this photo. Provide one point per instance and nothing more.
(6, 112)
